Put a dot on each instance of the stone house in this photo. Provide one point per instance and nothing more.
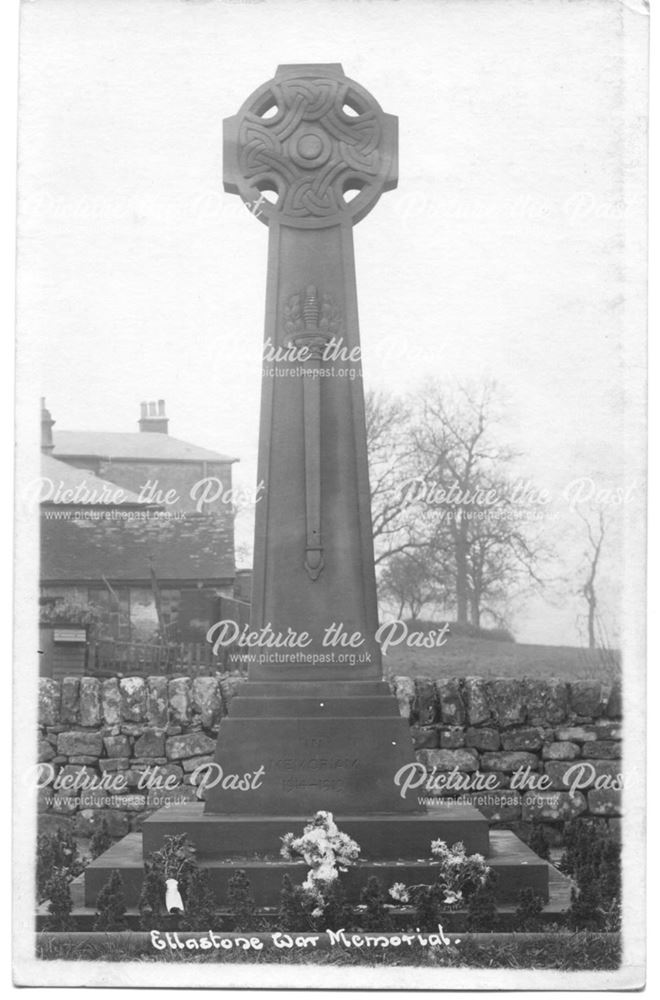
(138, 524)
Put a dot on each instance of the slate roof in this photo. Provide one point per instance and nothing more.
(67, 477)
(197, 547)
(142, 445)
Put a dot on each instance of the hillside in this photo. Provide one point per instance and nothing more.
(463, 656)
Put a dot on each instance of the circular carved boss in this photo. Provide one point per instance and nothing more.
(311, 151)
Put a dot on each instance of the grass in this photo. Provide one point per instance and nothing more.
(463, 656)
(564, 951)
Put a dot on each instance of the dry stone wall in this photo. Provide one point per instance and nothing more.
(99, 738)
(547, 750)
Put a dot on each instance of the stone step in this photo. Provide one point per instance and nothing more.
(515, 864)
(379, 835)
(314, 689)
(382, 706)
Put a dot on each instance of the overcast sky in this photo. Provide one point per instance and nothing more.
(502, 253)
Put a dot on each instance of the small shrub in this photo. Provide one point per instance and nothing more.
(56, 852)
(426, 900)
(152, 897)
(111, 905)
(101, 840)
(301, 910)
(336, 910)
(60, 902)
(241, 902)
(200, 904)
(528, 911)
(376, 916)
(592, 857)
(586, 911)
(294, 911)
(482, 907)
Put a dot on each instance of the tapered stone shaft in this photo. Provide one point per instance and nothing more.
(310, 153)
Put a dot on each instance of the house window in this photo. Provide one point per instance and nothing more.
(115, 608)
(129, 613)
(143, 615)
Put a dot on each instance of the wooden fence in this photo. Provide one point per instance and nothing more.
(108, 657)
(117, 658)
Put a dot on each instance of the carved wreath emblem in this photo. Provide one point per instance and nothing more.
(310, 311)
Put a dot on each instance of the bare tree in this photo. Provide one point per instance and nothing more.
(480, 545)
(408, 581)
(391, 462)
(595, 531)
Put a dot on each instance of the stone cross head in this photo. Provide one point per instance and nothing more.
(310, 149)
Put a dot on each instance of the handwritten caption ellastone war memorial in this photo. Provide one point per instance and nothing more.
(174, 941)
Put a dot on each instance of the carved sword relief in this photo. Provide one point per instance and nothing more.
(311, 320)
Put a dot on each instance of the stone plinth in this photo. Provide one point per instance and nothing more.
(312, 746)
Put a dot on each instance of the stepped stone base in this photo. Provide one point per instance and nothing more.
(516, 865)
(315, 745)
(383, 835)
(285, 751)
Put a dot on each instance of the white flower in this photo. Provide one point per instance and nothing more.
(312, 889)
(326, 872)
(453, 897)
(440, 848)
(325, 850)
(318, 912)
(399, 892)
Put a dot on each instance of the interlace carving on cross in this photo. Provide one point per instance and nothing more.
(311, 153)
(317, 141)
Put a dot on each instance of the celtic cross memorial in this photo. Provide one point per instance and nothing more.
(310, 154)
(315, 726)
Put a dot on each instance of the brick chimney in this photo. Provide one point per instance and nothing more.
(46, 428)
(152, 417)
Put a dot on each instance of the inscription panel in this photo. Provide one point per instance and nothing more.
(316, 764)
(339, 764)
